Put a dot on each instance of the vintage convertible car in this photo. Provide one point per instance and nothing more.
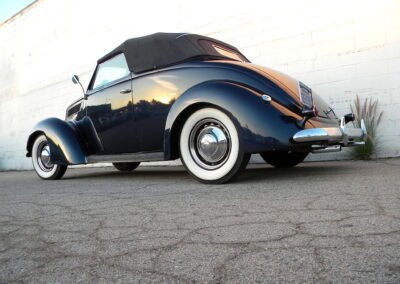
(173, 95)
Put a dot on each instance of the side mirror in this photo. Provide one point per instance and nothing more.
(75, 80)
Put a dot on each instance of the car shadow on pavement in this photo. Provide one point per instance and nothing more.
(254, 173)
(143, 172)
(300, 172)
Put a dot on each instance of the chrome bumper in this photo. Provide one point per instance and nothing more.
(332, 137)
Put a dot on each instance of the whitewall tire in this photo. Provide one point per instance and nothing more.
(210, 147)
(42, 164)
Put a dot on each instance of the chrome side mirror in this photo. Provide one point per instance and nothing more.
(75, 80)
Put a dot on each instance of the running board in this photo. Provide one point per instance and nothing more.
(121, 158)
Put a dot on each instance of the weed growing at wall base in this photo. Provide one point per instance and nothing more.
(372, 118)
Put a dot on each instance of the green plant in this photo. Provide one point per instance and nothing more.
(372, 118)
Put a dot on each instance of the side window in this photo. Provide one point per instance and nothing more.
(111, 70)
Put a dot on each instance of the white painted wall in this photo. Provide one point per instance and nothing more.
(339, 48)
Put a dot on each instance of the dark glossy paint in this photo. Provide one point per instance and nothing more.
(159, 97)
(65, 145)
(112, 115)
(154, 94)
(149, 119)
(246, 109)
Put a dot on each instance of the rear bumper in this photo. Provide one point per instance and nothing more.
(323, 138)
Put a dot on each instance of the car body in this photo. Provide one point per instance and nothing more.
(171, 95)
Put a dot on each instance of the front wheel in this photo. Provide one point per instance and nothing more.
(282, 159)
(210, 147)
(41, 159)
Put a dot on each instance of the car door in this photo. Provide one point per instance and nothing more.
(153, 96)
(109, 106)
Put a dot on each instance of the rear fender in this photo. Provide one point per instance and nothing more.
(263, 126)
(65, 145)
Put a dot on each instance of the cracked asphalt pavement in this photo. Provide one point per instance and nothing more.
(321, 222)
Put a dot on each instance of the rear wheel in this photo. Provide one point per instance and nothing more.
(41, 160)
(281, 159)
(210, 147)
(126, 167)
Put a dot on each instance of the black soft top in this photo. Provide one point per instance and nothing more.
(164, 49)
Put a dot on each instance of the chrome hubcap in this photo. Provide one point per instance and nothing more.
(43, 157)
(210, 144)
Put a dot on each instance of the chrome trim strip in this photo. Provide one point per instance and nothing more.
(136, 157)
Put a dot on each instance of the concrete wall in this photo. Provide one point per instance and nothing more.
(339, 48)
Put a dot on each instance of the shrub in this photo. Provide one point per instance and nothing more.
(372, 118)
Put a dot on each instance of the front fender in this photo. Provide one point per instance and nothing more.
(262, 126)
(65, 146)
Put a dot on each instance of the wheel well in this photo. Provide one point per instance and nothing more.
(178, 124)
(31, 140)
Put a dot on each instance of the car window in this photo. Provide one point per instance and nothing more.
(218, 49)
(228, 53)
(111, 70)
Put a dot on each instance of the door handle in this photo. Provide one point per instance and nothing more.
(126, 91)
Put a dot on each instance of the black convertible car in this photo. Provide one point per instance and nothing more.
(173, 95)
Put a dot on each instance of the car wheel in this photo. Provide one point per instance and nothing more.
(126, 167)
(41, 159)
(282, 159)
(210, 147)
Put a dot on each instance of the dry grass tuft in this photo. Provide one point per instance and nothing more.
(372, 118)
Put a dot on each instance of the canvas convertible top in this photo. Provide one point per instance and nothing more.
(164, 49)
